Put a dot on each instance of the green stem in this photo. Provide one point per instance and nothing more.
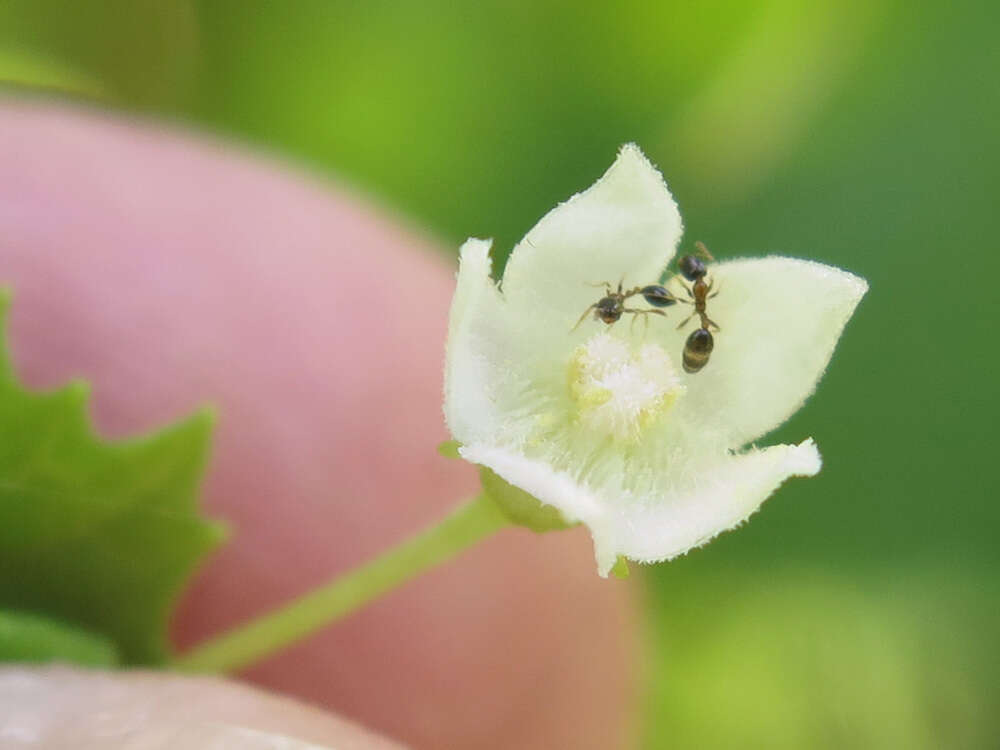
(249, 643)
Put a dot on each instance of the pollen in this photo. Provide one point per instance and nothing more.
(621, 390)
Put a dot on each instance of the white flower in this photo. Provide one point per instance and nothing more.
(602, 422)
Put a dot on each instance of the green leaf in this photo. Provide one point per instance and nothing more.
(99, 535)
(30, 638)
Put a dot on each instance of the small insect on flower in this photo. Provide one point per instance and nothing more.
(610, 308)
(604, 427)
(699, 345)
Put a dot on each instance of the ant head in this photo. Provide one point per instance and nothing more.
(609, 309)
(692, 267)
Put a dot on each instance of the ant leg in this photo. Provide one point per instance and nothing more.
(645, 319)
(607, 287)
(685, 321)
(645, 316)
(631, 292)
(710, 322)
(585, 312)
(676, 277)
(645, 312)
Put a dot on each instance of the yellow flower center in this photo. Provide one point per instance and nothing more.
(620, 390)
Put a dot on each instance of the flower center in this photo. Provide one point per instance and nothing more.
(619, 390)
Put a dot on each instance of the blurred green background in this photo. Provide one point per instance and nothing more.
(859, 609)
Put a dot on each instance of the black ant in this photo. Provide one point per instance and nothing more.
(611, 306)
(699, 345)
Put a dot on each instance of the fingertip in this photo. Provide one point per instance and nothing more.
(172, 272)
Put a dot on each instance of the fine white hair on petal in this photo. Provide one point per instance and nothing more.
(650, 529)
(722, 496)
(540, 479)
(469, 369)
(780, 320)
(626, 226)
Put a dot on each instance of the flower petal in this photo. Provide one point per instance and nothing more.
(502, 370)
(718, 499)
(651, 529)
(550, 487)
(539, 479)
(780, 320)
(625, 225)
(470, 371)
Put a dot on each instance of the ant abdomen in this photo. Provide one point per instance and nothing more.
(697, 350)
(657, 296)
